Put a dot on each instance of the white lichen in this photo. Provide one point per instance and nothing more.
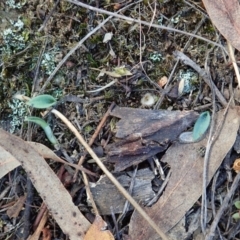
(13, 38)
(15, 4)
(156, 57)
(19, 111)
(49, 61)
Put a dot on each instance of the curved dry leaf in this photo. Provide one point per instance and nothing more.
(185, 184)
(225, 15)
(98, 231)
(14, 210)
(49, 187)
(7, 161)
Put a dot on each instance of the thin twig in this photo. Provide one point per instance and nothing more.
(48, 16)
(110, 176)
(78, 45)
(224, 205)
(86, 182)
(142, 22)
(235, 66)
(99, 127)
(160, 190)
(209, 146)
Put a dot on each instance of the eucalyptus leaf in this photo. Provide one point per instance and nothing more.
(45, 126)
(42, 101)
(201, 126)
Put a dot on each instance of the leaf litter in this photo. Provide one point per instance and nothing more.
(184, 186)
(131, 85)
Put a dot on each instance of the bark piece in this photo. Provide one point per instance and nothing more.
(145, 133)
(142, 191)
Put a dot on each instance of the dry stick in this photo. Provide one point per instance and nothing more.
(224, 205)
(86, 182)
(186, 60)
(110, 176)
(211, 140)
(141, 22)
(78, 45)
(48, 16)
(99, 127)
(213, 188)
(232, 56)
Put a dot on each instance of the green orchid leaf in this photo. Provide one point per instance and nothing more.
(45, 127)
(201, 126)
(42, 101)
(236, 216)
(237, 204)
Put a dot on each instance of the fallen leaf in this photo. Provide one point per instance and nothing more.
(185, 185)
(225, 15)
(7, 162)
(98, 231)
(49, 187)
(14, 210)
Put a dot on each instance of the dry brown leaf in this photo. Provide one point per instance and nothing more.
(185, 184)
(7, 162)
(225, 15)
(98, 231)
(14, 210)
(51, 190)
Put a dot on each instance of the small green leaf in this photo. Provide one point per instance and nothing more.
(45, 127)
(236, 216)
(237, 204)
(42, 101)
(201, 126)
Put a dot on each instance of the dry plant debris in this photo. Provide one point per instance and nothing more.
(87, 55)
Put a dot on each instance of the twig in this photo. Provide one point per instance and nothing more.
(211, 140)
(48, 16)
(78, 45)
(213, 188)
(35, 84)
(130, 189)
(110, 176)
(153, 15)
(224, 205)
(139, 21)
(235, 66)
(99, 127)
(86, 182)
(186, 60)
(160, 190)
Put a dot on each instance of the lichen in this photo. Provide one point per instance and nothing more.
(19, 111)
(15, 4)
